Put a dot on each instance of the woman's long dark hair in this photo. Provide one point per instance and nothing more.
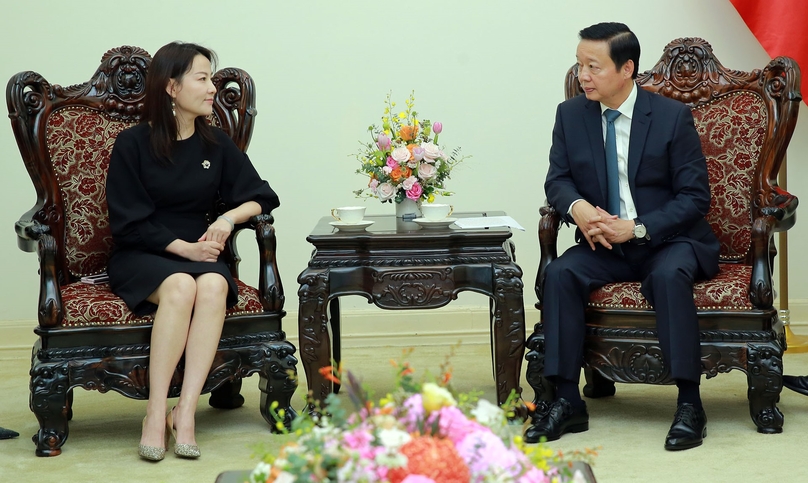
(172, 61)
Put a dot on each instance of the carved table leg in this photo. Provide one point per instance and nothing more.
(765, 376)
(509, 332)
(336, 331)
(315, 347)
(278, 383)
(49, 403)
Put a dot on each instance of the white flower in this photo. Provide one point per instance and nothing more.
(432, 152)
(387, 169)
(285, 477)
(385, 191)
(488, 414)
(427, 171)
(400, 155)
(392, 439)
(260, 473)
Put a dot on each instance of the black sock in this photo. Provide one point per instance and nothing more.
(568, 390)
(688, 392)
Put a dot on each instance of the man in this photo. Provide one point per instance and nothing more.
(626, 167)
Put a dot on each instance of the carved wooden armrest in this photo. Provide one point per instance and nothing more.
(548, 240)
(28, 233)
(50, 312)
(270, 288)
(779, 213)
(781, 205)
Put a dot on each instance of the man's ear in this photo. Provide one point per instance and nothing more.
(628, 68)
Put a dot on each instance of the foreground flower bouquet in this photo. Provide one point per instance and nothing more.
(403, 159)
(421, 433)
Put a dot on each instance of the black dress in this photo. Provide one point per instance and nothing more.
(151, 205)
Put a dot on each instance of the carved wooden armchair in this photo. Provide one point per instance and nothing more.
(745, 121)
(88, 338)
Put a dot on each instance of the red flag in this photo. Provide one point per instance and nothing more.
(780, 27)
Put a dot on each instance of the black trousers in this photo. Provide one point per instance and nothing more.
(667, 274)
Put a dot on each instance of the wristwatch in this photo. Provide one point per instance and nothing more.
(640, 232)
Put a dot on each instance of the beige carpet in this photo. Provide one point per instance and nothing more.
(629, 428)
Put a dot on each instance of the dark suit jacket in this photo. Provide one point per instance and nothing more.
(666, 169)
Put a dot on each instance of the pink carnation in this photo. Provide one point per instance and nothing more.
(455, 425)
(417, 479)
(483, 451)
(413, 412)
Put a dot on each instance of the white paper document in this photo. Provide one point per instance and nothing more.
(488, 221)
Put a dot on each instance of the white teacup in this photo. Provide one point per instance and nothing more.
(436, 211)
(349, 214)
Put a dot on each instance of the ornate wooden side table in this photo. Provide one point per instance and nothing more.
(397, 264)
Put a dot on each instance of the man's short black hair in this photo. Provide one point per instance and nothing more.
(623, 44)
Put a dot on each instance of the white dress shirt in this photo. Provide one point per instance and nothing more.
(622, 130)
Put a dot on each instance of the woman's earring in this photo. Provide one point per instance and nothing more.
(173, 112)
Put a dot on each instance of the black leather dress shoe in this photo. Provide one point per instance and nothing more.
(8, 434)
(797, 384)
(689, 428)
(556, 420)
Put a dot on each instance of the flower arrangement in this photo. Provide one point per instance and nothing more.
(403, 158)
(421, 433)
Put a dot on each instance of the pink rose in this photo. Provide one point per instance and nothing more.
(391, 162)
(415, 192)
(427, 171)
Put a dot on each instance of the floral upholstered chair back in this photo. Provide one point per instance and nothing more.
(79, 141)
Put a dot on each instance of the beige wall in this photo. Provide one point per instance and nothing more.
(490, 71)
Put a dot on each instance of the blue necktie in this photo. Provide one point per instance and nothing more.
(612, 176)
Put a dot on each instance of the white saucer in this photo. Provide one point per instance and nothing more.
(434, 223)
(358, 226)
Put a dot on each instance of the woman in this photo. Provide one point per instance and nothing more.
(164, 177)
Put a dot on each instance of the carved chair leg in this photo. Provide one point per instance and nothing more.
(70, 404)
(543, 390)
(336, 335)
(596, 385)
(765, 376)
(49, 401)
(227, 396)
(278, 384)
